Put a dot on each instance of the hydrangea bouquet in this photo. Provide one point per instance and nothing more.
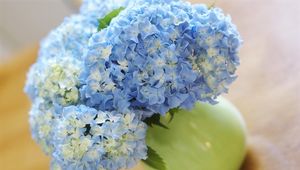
(108, 73)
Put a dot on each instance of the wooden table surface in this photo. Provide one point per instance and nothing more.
(266, 92)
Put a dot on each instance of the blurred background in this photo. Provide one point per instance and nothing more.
(266, 92)
(24, 22)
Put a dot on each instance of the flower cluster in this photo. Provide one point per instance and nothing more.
(76, 136)
(91, 90)
(89, 139)
(160, 55)
(42, 118)
(55, 80)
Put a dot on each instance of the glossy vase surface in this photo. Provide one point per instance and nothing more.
(208, 137)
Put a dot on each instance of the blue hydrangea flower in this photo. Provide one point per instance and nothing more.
(41, 118)
(55, 75)
(68, 39)
(91, 90)
(89, 139)
(160, 55)
(55, 80)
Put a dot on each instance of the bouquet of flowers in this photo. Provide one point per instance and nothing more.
(108, 73)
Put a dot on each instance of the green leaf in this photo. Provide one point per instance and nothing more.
(171, 113)
(154, 160)
(155, 120)
(105, 21)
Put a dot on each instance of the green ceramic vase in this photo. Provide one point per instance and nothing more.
(209, 137)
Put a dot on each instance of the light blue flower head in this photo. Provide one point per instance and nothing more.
(89, 139)
(69, 38)
(54, 76)
(55, 80)
(158, 55)
(41, 118)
